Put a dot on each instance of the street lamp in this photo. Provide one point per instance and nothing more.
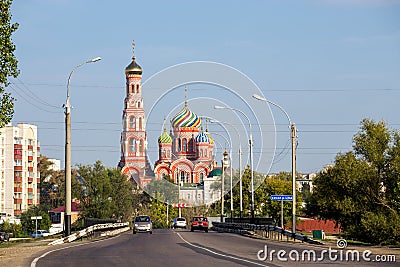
(67, 106)
(225, 163)
(251, 156)
(293, 138)
(240, 173)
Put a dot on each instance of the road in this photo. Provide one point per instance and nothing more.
(185, 248)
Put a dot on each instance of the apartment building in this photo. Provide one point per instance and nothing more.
(19, 171)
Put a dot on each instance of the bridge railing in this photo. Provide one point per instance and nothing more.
(89, 231)
(267, 231)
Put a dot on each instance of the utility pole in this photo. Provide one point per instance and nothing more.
(293, 138)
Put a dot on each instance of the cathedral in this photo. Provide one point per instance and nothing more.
(185, 154)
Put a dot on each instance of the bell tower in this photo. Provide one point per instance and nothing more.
(133, 136)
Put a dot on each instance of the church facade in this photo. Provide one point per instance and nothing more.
(185, 154)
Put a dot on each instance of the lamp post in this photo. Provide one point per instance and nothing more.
(293, 139)
(224, 163)
(240, 173)
(67, 106)
(251, 156)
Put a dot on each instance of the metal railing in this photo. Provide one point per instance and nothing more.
(89, 231)
(267, 231)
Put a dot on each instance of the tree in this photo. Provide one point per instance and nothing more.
(29, 225)
(8, 62)
(105, 193)
(360, 191)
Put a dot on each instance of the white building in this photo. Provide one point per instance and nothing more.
(19, 173)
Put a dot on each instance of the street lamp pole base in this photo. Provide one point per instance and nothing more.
(67, 223)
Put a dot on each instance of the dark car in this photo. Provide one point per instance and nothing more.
(142, 223)
(199, 223)
(4, 237)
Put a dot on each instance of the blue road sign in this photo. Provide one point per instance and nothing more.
(282, 197)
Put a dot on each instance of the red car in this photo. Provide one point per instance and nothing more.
(199, 223)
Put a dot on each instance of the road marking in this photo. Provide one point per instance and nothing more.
(219, 254)
(33, 263)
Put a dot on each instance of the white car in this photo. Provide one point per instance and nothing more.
(40, 233)
(179, 222)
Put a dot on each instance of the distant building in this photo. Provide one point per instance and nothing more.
(55, 166)
(19, 172)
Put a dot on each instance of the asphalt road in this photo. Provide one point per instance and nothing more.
(185, 248)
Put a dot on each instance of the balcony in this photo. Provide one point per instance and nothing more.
(17, 212)
(30, 180)
(17, 190)
(30, 201)
(30, 190)
(17, 179)
(17, 168)
(30, 158)
(30, 169)
(17, 201)
(18, 146)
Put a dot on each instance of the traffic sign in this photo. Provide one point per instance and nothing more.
(180, 205)
(282, 197)
(36, 217)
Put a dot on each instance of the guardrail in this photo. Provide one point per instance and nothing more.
(267, 231)
(90, 230)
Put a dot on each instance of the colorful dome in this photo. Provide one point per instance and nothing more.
(165, 138)
(186, 118)
(202, 138)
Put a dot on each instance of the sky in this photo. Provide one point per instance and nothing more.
(328, 64)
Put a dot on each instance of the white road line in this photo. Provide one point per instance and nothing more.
(33, 263)
(219, 254)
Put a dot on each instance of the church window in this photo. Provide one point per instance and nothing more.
(132, 121)
(184, 145)
(132, 145)
(137, 88)
(182, 176)
(138, 104)
(201, 177)
(178, 148)
(201, 153)
(132, 89)
(191, 145)
(140, 123)
(141, 146)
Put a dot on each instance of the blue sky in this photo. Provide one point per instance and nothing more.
(329, 64)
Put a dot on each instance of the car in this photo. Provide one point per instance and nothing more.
(199, 223)
(179, 222)
(4, 237)
(40, 233)
(142, 223)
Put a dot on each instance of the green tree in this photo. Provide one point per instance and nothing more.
(105, 193)
(8, 62)
(360, 191)
(29, 225)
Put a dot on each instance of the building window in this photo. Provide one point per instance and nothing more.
(179, 145)
(191, 149)
(132, 122)
(140, 123)
(137, 88)
(141, 146)
(201, 178)
(138, 104)
(132, 89)
(184, 145)
(182, 176)
(132, 145)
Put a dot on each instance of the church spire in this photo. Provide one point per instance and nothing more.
(133, 50)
